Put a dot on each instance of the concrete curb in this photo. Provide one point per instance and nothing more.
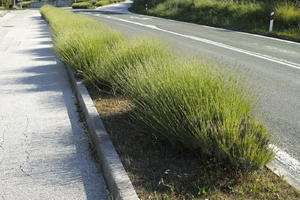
(285, 165)
(277, 168)
(115, 175)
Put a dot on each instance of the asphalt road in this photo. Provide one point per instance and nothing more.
(272, 66)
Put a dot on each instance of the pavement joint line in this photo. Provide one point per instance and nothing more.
(218, 44)
(115, 175)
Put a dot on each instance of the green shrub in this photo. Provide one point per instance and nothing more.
(93, 2)
(80, 1)
(82, 5)
(107, 2)
(6, 4)
(126, 55)
(186, 101)
(287, 16)
(103, 3)
(193, 104)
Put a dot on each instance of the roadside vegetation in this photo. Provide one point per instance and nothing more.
(188, 105)
(82, 5)
(243, 15)
(5, 4)
(160, 171)
(88, 4)
(8, 5)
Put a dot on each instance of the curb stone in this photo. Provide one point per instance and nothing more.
(277, 168)
(115, 175)
(285, 166)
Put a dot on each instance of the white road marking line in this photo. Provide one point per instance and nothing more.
(141, 18)
(218, 44)
(217, 28)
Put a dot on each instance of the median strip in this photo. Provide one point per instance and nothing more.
(188, 105)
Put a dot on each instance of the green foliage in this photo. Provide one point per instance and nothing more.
(198, 106)
(6, 3)
(107, 2)
(93, 2)
(185, 101)
(288, 16)
(82, 5)
(236, 14)
(103, 3)
(80, 1)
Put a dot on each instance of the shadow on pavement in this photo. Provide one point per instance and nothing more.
(45, 75)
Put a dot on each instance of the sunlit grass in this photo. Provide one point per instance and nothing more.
(188, 102)
(197, 106)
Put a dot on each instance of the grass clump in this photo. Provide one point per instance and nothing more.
(186, 102)
(194, 105)
(240, 15)
(103, 3)
(82, 5)
(107, 2)
(161, 171)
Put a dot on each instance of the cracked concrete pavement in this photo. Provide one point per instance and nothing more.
(44, 153)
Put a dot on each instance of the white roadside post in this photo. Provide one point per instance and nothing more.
(13, 3)
(271, 21)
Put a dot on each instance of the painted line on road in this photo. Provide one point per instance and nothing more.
(218, 44)
(224, 29)
(141, 18)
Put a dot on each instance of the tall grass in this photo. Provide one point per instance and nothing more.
(249, 15)
(197, 106)
(185, 101)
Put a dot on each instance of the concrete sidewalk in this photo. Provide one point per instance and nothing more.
(44, 153)
(3, 13)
